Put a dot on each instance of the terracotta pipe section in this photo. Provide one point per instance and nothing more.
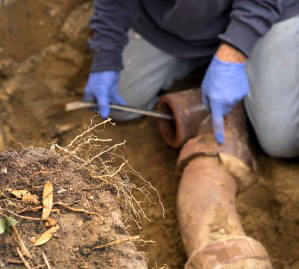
(206, 199)
(234, 154)
(188, 113)
(211, 175)
(211, 230)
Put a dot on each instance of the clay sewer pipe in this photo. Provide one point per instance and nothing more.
(211, 175)
(188, 113)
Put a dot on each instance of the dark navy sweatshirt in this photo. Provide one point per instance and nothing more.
(185, 28)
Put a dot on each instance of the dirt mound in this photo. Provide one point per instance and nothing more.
(88, 215)
(269, 210)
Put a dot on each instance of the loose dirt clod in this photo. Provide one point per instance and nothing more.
(50, 222)
(87, 167)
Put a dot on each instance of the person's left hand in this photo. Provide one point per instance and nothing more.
(224, 85)
(103, 88)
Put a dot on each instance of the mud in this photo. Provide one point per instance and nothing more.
(79, 233)
(44, 64)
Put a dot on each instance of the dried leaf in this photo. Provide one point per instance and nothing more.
(46, 236)
(26, 196)
(20, 193)
(47, 199)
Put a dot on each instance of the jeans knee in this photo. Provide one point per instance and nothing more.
(284, 146)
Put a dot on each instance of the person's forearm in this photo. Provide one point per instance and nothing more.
(250, 20)
(227, 53)
(110, 23)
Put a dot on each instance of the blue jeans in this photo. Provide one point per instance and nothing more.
(273, 70)
(147, 70)
(273, 102)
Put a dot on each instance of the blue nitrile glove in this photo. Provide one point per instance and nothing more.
(102, 87)
(224, 85)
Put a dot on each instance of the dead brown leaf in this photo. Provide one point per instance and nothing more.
(46, 236)
(26, 196)
(47, 199)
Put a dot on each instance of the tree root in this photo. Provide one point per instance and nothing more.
(20, 242)
(117, 242)
(23, 259)
(76, 209)
(107, 164)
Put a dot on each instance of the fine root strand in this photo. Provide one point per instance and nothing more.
(117, 242)
(108, 167)
(46, 260)
(76, 209)
(20, 242)
(23, 259)
(19, 216)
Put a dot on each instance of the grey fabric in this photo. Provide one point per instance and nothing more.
(147, 71)
(273, 102)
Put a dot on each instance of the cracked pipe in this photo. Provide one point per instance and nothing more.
(211, 176)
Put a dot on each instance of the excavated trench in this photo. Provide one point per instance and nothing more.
(44, 63)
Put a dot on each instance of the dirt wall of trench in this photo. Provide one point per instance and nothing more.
(44, 63)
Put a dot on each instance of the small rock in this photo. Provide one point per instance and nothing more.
(63, 128)
(53, 12)
(4, 170)
(61, 190)
(89, 196)
(7, 67)
(50, 222)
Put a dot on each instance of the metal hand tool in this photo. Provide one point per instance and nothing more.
(78, 105)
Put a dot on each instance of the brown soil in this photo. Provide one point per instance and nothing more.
(44, 64)
(80, 232)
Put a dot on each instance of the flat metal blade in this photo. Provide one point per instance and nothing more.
(79, 104)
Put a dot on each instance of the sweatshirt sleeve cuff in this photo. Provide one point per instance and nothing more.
(103, 60)
(241, 36)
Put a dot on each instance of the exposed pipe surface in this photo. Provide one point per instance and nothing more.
(188, 113)
(211, 230)
(211, 176)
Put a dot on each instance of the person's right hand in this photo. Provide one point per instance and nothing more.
(224, 85)
(102, 87)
